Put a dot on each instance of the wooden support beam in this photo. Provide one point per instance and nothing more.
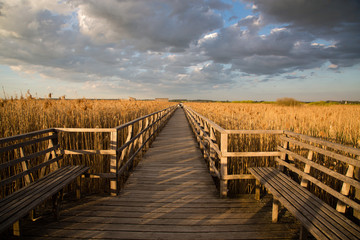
(113, 158)
(223, 165)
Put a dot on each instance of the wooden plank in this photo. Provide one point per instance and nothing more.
(322, 216)
(214, 125)
(321, 185)
(89, 152)
(223, 165)
(322, 208)
(31, 170)
(326, 170)
(277, 192)
(254, 131)
(239, 176)
(44, 191)
(86, 130)
(169, 196)
(325, 143)
(251, 154)
(29, 142)
(25, 135)
(325, 152)
(28, 157)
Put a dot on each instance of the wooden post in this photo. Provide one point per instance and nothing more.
(284, 156)
(113, 160)
(54, 166)
(275, 210)
(146, 134)
(78, 188)
(305, 182)
(303, 233)
(357, 190)
(24, 165)
(212, 151)
(140, 139)
(223, 165)
(16, 228)
(345, 189)
(257, 190)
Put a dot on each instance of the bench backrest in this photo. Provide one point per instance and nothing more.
(26, 158)
(329, 167)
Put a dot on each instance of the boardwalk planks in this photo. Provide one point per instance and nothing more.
(170, 195)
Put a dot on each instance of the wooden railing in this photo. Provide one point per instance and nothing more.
(17, 168)
(126, 142)
(214, 142)
(323, 166)
(331, 168)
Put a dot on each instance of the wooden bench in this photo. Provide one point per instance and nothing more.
(314, 164)
(26, 182)
(320, 219)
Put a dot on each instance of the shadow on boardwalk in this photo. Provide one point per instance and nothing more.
(170, 195)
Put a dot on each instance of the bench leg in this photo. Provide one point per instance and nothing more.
(16, 228)
(275, 210)
(257, 190)
(57, 204)
(78, 188)
(303, 233)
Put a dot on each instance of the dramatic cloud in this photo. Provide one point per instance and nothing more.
(181, 46)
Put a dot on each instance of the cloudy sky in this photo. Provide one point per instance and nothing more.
(194, 49)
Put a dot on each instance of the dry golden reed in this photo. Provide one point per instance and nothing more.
(18, 116)
(336, 123)
(339, 123)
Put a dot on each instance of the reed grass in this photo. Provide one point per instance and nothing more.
(335, 123)
(18, 116)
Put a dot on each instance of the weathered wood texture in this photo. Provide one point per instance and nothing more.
(170, 195)
(321, 220)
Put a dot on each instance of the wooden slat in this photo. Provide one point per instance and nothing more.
(170, 195)
(44, 189)
(239, 176)
(319, 167)
(28, 157)
(306, 207)
(326, 188)
(88, 152)
(325, 143)
(29, 142)
(252, 154)
(328, 153)
(86, 130)
(31, 170)
(214, 125)
(167, 110)
(255, 132)
(25, 135)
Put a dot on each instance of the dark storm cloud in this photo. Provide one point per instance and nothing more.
(176, 45)
(150, 25)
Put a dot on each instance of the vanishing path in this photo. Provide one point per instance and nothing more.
(170, 195)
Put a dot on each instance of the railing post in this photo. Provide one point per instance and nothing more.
(223, 165)
(113, 160)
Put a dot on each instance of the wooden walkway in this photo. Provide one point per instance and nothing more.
(170, 195)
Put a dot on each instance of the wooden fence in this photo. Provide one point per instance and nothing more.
(333, 168)
(125, 143)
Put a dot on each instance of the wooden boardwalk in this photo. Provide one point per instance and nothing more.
(170, 195)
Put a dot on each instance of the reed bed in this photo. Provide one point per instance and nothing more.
(18, 116)
(335, 123)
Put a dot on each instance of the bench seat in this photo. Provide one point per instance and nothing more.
(319, 219)
(21, 202)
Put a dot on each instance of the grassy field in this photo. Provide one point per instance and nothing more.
(18, 116)
(335, 123)
(338, 123)
(26, 115)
